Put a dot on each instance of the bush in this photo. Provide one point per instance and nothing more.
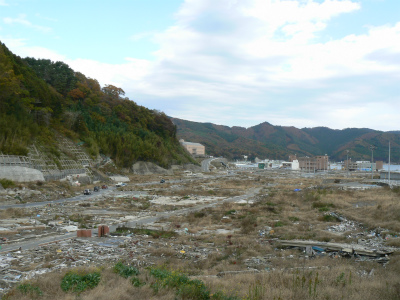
(185, 288)
(7, 183)
(78, 283)
(125, 271)
(248, 224)
(199, 214)
(136, 282)
(329, 218)
(33, 291)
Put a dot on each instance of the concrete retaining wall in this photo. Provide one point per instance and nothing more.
(21, 174)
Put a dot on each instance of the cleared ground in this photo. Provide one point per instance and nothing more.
(234, 246)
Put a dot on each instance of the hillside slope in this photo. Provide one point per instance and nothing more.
(278, 142)
(39, 98)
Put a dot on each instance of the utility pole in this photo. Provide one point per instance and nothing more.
(372, 161)
(389, 165)
(347, 163)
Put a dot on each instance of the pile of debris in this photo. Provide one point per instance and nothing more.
(360, 252)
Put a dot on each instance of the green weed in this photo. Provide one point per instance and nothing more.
(27, 288)
(78, 283)
(124, 270)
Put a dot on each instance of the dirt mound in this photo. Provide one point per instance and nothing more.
(187, 167)
(192, 167)
(148, 168)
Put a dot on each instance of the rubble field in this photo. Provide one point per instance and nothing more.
(240, 231)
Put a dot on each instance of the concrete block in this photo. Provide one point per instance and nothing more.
(103, 230)
(84, 233)
(21, 174)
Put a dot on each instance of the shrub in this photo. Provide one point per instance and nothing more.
(33, 291)
(248, 224)
(136, 282)
(78, 283)
(153, 233)
(125, 271)
(329, 218)
(230, 212)
(7, 183)
(294, 219)
(199, 214)
(185, 288)
(194, 289)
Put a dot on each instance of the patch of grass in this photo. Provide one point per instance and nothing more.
(396, 189)
(322, 205)
(329, 218)
(6, 183)
(230, 212)
(199, 214)
(185, 287)
(311, 196)
(137, 282)
(151, 232)
(81, 219)
(248, 224)
(30, 289)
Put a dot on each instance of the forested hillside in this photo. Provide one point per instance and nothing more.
(41, 97)
(278, 142)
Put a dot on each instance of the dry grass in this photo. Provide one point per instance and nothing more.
(325, 278)
(14, 213)
(278, 212)
(340, 281)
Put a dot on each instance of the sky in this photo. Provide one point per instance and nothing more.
(302, 63)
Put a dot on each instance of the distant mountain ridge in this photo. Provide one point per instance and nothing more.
(278, 142)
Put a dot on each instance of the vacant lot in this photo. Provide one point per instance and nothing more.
(235, 249)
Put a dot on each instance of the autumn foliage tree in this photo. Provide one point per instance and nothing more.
(76, 94)
(113, 91)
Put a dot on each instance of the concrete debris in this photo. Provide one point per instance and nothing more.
(340, 249)
(345, 224)
(249, 271)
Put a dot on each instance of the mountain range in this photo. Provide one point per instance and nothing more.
(40, 98)
(278, 142)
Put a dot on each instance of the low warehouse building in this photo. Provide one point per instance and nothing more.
(193, 148)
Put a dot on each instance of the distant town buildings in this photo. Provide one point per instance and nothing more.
(193, 148)
(393, 175)
(315, 163)
(361, 166)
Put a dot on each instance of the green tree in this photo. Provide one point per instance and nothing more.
(113, 91)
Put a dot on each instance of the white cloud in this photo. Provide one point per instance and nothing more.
(142, 35)
(21, 19)
(3, 3)
(21, 48)
(122, 75)
(245, 62)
